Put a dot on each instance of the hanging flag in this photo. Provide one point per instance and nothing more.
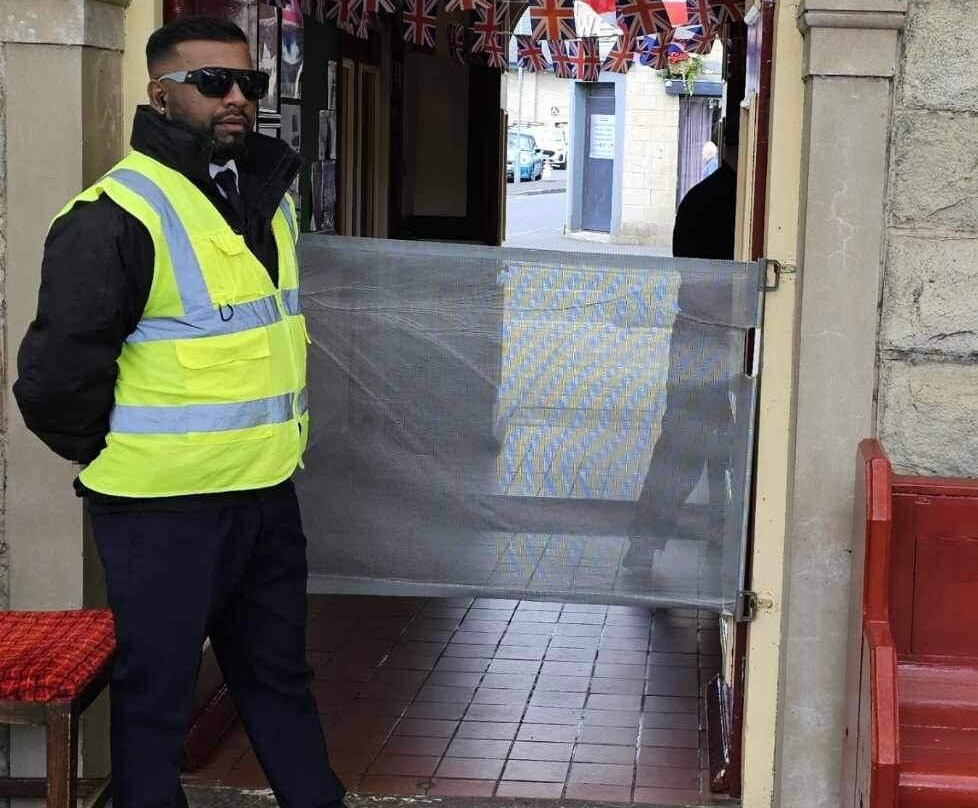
(338, 12)
(582, 58)
(489, 21)
(529, 54)
(495, 51)
(702, 40)
(466, 5)
(552, 20)
(559, 58)
(372, 7)
(643, 17)
(421, 23)
(728, 10)
(621, 56)
(676, 11)
(657, 49)
(456, 43)
(701, 12)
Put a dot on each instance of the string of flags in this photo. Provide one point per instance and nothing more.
(651, 31)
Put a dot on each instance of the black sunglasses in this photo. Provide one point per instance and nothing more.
(216, 82)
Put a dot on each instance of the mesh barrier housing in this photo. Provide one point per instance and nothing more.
(517, 423)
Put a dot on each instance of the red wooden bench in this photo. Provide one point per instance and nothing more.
(912, 681)
(52, 667)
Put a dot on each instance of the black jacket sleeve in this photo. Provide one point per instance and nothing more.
(95, 280)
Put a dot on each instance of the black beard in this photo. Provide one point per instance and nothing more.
(233, 150)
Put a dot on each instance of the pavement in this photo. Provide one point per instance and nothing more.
(223, 797)
(557, 184)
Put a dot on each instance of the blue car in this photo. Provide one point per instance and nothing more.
(524, 150)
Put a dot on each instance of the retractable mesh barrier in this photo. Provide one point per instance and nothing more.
(517, 423)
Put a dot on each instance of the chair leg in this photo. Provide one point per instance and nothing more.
(62, 763)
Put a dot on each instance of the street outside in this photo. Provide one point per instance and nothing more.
(536, 213)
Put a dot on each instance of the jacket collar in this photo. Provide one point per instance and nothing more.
(269, 166)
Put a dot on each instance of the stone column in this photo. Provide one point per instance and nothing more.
(850, 60)
(60, 128)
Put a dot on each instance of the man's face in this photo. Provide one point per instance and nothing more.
(227, 120)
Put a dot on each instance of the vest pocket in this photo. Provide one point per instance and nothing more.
(234, 367)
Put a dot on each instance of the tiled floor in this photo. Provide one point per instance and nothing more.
(463, 697)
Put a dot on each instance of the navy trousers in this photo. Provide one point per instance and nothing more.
(236, 573)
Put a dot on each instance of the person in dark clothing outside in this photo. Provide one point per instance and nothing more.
(168, 355)
(698, 416)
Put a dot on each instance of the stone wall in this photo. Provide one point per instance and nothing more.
(542, 92)
(4, 580)
(928, 346)
(648, 206)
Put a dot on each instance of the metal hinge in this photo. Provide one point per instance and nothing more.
(749, 604)
(776, 269)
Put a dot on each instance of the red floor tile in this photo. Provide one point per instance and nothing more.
(675, 738)
(450, 695)
(618, 736)
(538, 750)
(350, 762)
(412, 765)
(552, 715)
(599, 793)
(670, 720)
(536, 771)
(435, 709)
(665, 796)
(671, 704)
(667, 777)
(415, 745)
(454, 678)
(549, 733)
(530, 791)
(490, 695)
(494, 712)
(464, 664)
(426, 728)
(605, 753)
(571, 684)
(606, 774)
(446, 787)
(526, 667)
(598, 701)
(571, 655)
(576, 669)
(471, 768)
(383, 785)
(659, 756)
(556, 698)
(478, 748)
(622, 687)
(488, 730)
(612, 718)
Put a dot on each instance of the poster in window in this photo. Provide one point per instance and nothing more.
(327, 134)
(268, 40)
(331, 85)
(292, 125)
(292, 49)
(324, 197)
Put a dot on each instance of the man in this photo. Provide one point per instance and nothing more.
(168, 354)
(698, 419)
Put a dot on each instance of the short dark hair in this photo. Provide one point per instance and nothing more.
(191, 28)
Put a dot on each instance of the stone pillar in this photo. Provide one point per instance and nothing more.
(60, 128)
(850, 61)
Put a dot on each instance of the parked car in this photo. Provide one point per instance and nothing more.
(522, 150)
(552, 140)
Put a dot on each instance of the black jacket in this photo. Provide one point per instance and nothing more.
(96, 277)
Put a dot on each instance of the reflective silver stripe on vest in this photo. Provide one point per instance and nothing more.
(180, 420)
(287, 212)
(302, 403)
(190, 280)
(201, 318)
(290, 298)
(229, 319)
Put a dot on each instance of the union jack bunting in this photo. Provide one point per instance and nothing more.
(728, 10)
(466, 5)
(421, 23)
(582, 58)
(372, 7)
(622, 55)
(656, 50)
(529, 54)
(495, 51)
(338, 12)
(489, 21)
(456, 43)
(702, 40)
(643, 17)
(701, 12)
(559, 58)
(553, 20)
(676, 11)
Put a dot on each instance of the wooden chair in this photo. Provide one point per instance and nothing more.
(52, 667)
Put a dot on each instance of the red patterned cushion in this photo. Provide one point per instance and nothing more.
(49, 656)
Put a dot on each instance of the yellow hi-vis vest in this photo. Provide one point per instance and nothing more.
(211, 391)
